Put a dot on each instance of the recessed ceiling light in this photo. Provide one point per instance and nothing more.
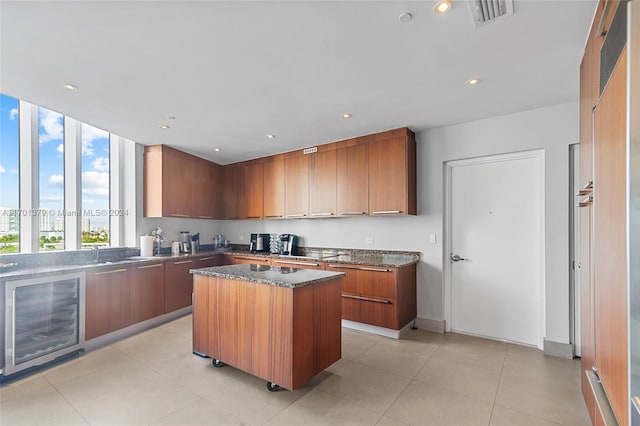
(217, 149)
(443, 6)
(405, 17)
(270, 136)
(70, 86)
(164, 126)
(346, 115)
(473, 81)
(171, 117)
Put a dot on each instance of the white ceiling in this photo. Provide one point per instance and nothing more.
(232, 72)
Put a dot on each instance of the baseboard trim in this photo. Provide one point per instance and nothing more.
(374, 329)
(107, 339)
(557, 349)
(436, 326)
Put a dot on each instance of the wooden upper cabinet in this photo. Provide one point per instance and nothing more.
(296, 186)
(392, 173)
(322, 183)
(273, 188)
(177, 184)
(251, 205)
(233, 178)
(352, 179)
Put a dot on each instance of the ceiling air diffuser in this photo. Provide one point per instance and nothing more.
(487, 11)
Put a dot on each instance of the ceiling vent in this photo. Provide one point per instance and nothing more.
(486, 11)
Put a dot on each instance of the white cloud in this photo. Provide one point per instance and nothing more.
(95, 184)
(2, 169)
(87, 148)
(61, 148)
(51, 123)
(52, 199)
(13, 113)
(90, 134)
(56, 180)
(101, 164)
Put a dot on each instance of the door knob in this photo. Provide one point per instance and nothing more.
(456, 258)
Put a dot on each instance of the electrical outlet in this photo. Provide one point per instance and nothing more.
(432, 238)
(368, 240)
(241, 237)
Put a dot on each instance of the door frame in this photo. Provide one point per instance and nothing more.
(537, 154)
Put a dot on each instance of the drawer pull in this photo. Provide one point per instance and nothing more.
(360, 268)
(285, 262)
(255, 259)
(156, 265)
(205, 217)
(352, 213)
(388, 212)
(273, 215)
(206, 258)
(366, 299)
(586, 202)
(115, 271)
(183, 262)
(253, 217)
(296, 215)
(321, 214)
(179, 215)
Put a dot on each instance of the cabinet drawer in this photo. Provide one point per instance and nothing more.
(370, 310)
(235, 260)
(299, 264)
(377, 282)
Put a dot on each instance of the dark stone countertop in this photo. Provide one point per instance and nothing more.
(269, 275)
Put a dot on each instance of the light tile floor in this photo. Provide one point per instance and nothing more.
(425, 379)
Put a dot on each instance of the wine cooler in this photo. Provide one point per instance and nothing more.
(44, 320)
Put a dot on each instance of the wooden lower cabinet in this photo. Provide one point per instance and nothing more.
(239, 259)
(294, 263)
(385, 297)
(146, 292)
(178, 284)
(108, 301)
(207, 261)
(280, 334)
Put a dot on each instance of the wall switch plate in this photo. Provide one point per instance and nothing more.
(368, 240)
(432, 238)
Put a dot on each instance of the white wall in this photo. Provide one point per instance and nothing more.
(552, 129)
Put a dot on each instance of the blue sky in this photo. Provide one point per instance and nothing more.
(95, 161)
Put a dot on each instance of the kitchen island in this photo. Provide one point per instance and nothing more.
(279, 324)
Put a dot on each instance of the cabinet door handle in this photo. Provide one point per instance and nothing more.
(183, 262)
(205, 217)
(206, 258)
(360, 268)
(586, 202)
(387, 212)
(284, 262)
(156, 265)
(255, 259)
(353, 213)
(253, 217)
(296, 215)
(115, 271)
(273, 215)
(321, 214)
(366, 299)
(179, 215)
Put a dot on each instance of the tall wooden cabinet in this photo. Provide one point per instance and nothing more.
(296, 187)
(390, 192)
(273, 187)
(603, 239)
(322, 182)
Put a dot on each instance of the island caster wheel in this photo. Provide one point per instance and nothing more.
(217, 363)
(272, 387)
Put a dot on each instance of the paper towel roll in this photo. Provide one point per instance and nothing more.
(146, 246)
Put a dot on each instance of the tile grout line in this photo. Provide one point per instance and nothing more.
(66, 400)
(495, 397)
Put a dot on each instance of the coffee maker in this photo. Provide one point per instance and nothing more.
(288, 244)
(259, 242)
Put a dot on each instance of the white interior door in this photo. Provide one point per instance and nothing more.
(496, 226)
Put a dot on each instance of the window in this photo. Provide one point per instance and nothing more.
(51, 179)
(95, 187)
(9, 175)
